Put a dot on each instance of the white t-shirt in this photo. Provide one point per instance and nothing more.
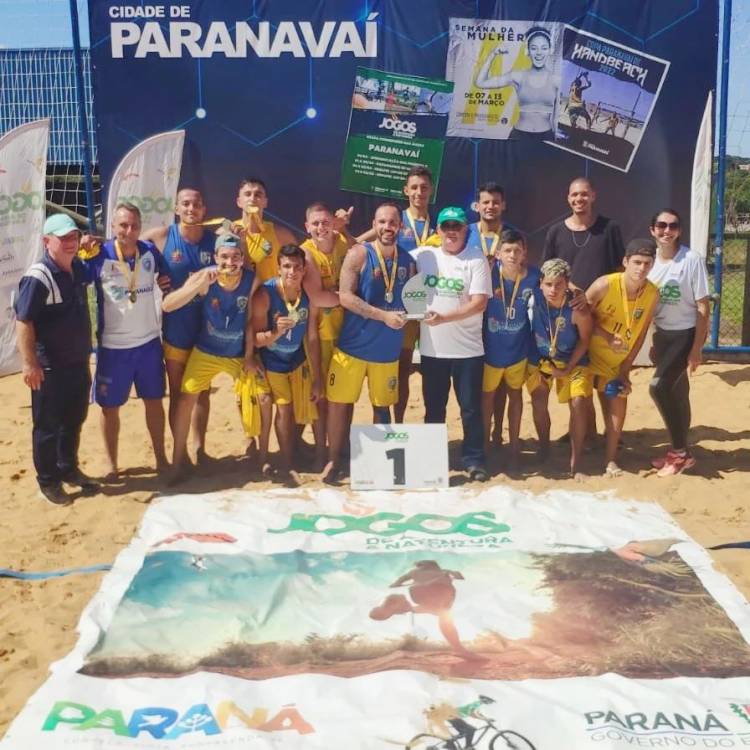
(450, 281)
(681, 281)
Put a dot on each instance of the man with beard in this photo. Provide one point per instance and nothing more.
(372, 279)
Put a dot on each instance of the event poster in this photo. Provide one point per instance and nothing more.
(397, 122)
(507, 78)
(607, 95)
(319, 620)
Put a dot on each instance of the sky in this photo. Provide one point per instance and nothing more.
(20, 26)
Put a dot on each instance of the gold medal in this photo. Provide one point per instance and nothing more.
(413, 224)
(291, 307)
(389, 281)
(130, 276)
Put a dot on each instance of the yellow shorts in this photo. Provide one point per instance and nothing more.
(202, 368)
(411, 334)
(326, 354)
(514, 376)
(294, 388)
(347, 374)
(249, 389)
(579, 384)
(175, 353)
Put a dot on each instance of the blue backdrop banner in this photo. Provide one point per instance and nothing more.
(544, 92)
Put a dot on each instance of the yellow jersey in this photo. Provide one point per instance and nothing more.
(623, 319)
(331, 318)
(263, 251)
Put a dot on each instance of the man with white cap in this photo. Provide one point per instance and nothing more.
(54, 339)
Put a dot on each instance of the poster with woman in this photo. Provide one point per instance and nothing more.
(507, 78)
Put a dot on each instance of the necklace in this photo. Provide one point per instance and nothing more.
(585, 242)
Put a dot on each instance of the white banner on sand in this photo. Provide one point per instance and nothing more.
(700, 196)
(148, 176)
(23, 168)
(443, 619)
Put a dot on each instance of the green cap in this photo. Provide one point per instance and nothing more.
(227, 239)
(59, 225)
(452, 213)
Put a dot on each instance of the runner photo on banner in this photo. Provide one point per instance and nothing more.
(607, 95)
(507, 77)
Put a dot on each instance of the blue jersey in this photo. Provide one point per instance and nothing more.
(368, 339)
(474, 239)
(507, 334)
(287, 353)
(180, 327)
(406, 239)
(545, 321)
(223, 318)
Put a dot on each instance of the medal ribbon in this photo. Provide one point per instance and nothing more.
(626, 307)
(131, 276)
(553, 337)
(291, 308)
(413, 224)
(516, 285)
(489, 252)
(389, 282)
(219, 221)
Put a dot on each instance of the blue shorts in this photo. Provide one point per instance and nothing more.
(118, 369)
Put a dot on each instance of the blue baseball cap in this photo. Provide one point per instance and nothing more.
(227, 239)
(452, 213)
(59, 225)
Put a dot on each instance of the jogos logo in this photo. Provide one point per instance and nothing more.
(149, 204)
(442, 282)
(396, 437)
(19, 202)
(416, 294)
(403, 127)
(670, 293)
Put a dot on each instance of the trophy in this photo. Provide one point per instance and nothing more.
(414, 298)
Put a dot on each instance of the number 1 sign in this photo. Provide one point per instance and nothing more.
(400, 456)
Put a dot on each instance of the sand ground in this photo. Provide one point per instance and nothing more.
(38, 619)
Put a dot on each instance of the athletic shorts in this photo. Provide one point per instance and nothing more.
(176, 354)
(346, 376)
(117, 370)
(579, 384)
(514, 376)
(326, 354)
(294, 388)
(202, 368)
(411, 335)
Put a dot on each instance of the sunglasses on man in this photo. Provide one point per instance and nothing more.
(666, 225)
(449, 226)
